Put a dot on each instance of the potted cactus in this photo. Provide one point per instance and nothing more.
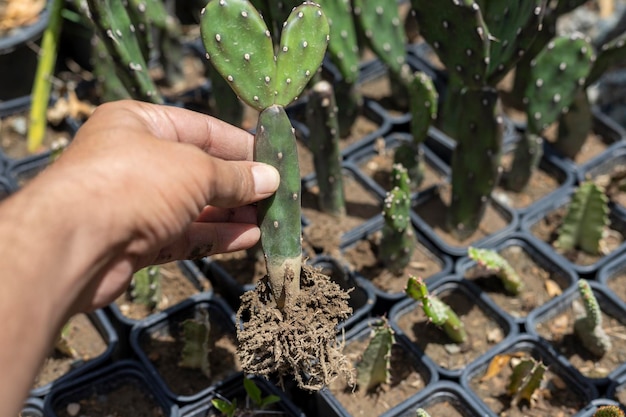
(542, 276)
(387, 374)
(450, 348)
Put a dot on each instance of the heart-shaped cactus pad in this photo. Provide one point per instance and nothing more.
(239, 45)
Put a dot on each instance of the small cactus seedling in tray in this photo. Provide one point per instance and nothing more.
(436, 310)
(196, 335)
(276, 334)
(373, 369)
(398, 239)
(588, 326)
(494, 263)
(145, 287)
(609, 411)
(586, 218)
(525, 379)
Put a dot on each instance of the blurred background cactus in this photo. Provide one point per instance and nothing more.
(398, 240)
(585, 221)
(494, 263)
(588, 325)
(197, 343)
(490, 37)
(373, 368)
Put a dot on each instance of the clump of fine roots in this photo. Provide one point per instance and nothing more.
(300, 340)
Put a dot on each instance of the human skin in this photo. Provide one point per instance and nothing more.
(140, 184)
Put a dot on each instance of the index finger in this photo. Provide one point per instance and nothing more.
(212, 135)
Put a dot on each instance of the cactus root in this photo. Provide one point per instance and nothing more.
(299, 341)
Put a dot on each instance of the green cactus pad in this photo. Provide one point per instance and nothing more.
(239, 45)
(275, 144)
(465, 55)
(513, 26)
(196, 343)
(424, 100)
(373, 369)
(557, 73)
(118, 33)
(586, 218)
(342, 47)
(383, 30)
(145, 286)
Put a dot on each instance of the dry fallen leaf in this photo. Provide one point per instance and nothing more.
(552, 288)
(496, 365)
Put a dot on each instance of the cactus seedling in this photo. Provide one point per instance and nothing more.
(145, 287)
(436, 310)
(420, 412)
(321, 112)
(588, 325)
(585, 220)
(253, 394)
(496, 264)
(609, 411)
(398, 239)
(373, 369)
(62, 343)
(275, 335)
(525, 379)
(196, 343)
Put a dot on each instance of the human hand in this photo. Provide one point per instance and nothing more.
(154, 184)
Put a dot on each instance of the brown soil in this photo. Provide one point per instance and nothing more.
(379, 169)
(405, 381)
(483, 332)
(241, 267)
(594, 144)
(433, 212)
(164, 350)
(325, 231)
(540, 184)
(614, 182)
(540, 285)
(128, 400)
(299, 341)
(175, 287)
(554, 399)
(445, 408)
(617, 284)
(559, 331)
(85, 339)
(13, 136)
(363, 258)
(361, 128)
(547, 228)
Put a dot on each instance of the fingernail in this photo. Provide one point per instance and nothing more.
(266, 178)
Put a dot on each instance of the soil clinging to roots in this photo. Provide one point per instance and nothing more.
(301, 341)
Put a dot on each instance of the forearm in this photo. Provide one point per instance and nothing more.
(44, 256)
